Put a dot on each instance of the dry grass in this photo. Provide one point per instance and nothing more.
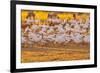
(67, 52)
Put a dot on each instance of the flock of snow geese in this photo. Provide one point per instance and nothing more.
(58, 31)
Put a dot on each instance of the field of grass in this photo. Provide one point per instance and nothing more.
(67, 52)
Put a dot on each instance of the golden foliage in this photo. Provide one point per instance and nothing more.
(43, 15)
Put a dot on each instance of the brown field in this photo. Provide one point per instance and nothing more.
(45, 53)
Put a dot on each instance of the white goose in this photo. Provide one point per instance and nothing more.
(34, 37)
(60, 38)
(77, 37)
(86, 39)
(23, 40)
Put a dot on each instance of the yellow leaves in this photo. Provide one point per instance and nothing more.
(24, 15)
(43, 15)
(66, 16)
(83, 17)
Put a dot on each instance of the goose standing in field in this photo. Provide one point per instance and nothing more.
(23, 39)
(60, 29)
(67, 27)
(43, 29)
(35, 27)
(27, 29)
(34, 37)
(83, 30)
(86, 25)
(50, 38)
(50, 29)
(68, 38)
(77, 37)
(77, 28)
(60, 38)
(43, 33)
(86, 39)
